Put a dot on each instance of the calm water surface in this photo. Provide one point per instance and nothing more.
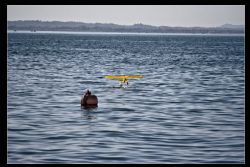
(188, 108)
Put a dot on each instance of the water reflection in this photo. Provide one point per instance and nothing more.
(88, 112)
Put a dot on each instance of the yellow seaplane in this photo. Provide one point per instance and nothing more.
(123, 78)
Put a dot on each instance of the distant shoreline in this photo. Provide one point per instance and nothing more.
(36, 25)
(122, 33)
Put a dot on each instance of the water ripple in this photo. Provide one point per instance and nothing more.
(188, 108)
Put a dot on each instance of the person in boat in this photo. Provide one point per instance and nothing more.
(89, 100)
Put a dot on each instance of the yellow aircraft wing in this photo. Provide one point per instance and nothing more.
(122, 77)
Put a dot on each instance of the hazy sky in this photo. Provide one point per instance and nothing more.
(168, 15)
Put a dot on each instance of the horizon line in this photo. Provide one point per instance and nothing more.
(133, 24)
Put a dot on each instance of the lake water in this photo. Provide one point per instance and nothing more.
(188, 108)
